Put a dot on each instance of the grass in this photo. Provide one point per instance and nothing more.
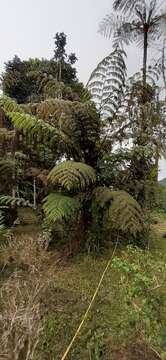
(69, 287)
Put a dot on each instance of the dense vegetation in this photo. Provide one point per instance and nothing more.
(79, 176)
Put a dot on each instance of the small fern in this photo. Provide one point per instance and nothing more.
(72, 175)
(57, 206)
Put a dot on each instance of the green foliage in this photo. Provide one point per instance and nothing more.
(26, 123)
(123, 213)
(58, 206)
(72, 175)
(22, 80)
(6, 200)
(141, 296)
(6, 166)
(107, 81)
(2, 225)
(126, 214)
(9, 105)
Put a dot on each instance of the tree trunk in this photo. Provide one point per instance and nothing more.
(163, 64)
(13, 150)
(34, 193)
(60, 71)
(145, 55)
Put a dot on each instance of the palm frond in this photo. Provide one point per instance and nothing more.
(58, 207)
(72, 175)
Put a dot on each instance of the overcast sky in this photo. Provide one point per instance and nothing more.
(27, 28)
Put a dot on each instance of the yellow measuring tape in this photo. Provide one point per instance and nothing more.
(90, 305)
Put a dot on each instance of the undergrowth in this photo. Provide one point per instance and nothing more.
(127, 317)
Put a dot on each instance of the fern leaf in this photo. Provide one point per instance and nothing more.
(125, 214)
(9, 105)
(2, 224)
(57, 206)
(72, 175)
(26, 122)
(127, 5)
(6, 200)
(6, 166)
(107, 80)
(122, 211)
(102, 195)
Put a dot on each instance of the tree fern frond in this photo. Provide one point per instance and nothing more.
(6, 200)
(2, 224)
(9, 105)
(102, 195)
(6, 166)
(27, 123)
(127, 5)
(125, 214)
(57, 206)
(122, 210)
(107, 79)
(72, 175)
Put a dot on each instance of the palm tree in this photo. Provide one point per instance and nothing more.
(140, 21)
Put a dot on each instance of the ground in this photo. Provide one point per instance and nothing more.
(72, 283)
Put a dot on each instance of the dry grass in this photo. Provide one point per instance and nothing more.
(21, 296)
(20, 321)
(26, 253)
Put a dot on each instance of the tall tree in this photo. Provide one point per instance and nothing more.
(60, 54)
(29, 80)
(139, 21)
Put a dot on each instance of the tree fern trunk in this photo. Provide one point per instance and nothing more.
(145, 55)
(163, 65)
(14, 146)
(34, 193)
(60, 71)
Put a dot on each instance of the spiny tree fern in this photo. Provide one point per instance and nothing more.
(71, 127)
(107, 81)
(122, 211)
(118, 209)
(141, 22)
(72, 175)
(58, 206)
